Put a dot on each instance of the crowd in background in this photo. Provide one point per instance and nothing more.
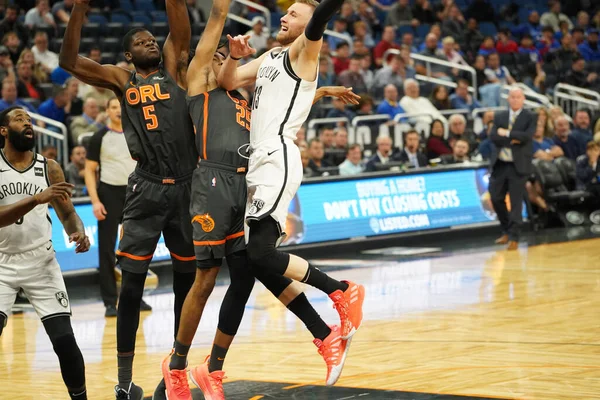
(538, 44)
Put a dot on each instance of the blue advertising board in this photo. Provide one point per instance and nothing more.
(343, 209)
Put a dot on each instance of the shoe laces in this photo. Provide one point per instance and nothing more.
(121, 393)
(216, 381)
(179, 381)
(330, 352)
(341, 306)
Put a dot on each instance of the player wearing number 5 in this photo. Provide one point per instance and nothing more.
(160, 136)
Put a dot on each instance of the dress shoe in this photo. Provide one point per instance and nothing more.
(502, 239)
(512, 245)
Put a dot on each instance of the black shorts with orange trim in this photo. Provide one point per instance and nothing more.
(155, 205)
(217, 208)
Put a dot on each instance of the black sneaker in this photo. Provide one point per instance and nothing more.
(145, 306)
(111, 311)
(160, 391)
(134, 392)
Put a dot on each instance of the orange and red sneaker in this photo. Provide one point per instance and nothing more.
(210, 383)
(176, 383)
(349, 305)
(334, 350)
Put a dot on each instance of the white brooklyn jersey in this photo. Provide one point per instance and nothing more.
(34, 229)
(282, 101)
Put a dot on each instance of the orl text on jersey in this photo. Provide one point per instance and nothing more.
(19, 188)
(147, 95)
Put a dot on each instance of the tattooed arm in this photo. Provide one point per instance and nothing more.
(66, 212)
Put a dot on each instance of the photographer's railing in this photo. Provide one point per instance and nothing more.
(571, 98)
(311, 132)
(49, 137)
(264, 10)
(361, 134)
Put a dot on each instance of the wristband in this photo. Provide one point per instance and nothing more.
(235, 59)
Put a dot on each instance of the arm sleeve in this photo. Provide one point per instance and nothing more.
(323, 13)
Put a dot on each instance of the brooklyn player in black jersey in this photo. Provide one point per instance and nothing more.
(222, 121)
(160, 137)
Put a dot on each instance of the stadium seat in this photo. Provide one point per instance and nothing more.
(159, 29)
(488, 29)
(117, 29)
(126, 5)
(108, 58)
(402, 30)
(47, 89)
(91, 30)
(160, 40)
(567, 169)
(110, 45)
(121, 18)
(144, 5)
(61, 28)
(134, 25)
(554, 185)
(55, 45)
(96, 18)
(422, 30)
(141, 16)
(159, 16)
(35, 103)
(86, 44)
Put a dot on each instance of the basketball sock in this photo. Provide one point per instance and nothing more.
(125, 370)
(217, 358)
(82, 395)
(314, 277)
(309, 316)
(179, 356)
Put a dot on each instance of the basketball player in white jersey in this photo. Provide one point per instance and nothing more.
(286, 82)
(28, 182)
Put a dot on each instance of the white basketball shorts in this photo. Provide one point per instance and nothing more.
(274, 175)
(36, 272)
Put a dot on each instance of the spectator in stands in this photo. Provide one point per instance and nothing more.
(42, 55)
(570, 147)
(352, 77)
(485, 146)
(547, 42)
(316, 154)
(459, 130)
(40, 72)
(347, 14)
(561, 55)
(590, 50)
(553, 17)
(401, 14)
(390, 104)
(454, 25)
(366, 14)
(408, 61)
(394, 73)
(300, 135)
(54, 108)
(9, 97)
(462, 99)
(40, 16)
(431, 50)
(327, 137)
(361, 33)
(340, 26)
(62, 11)
(11, 23)
(583, 20)
(411, 156)
(90, 121)
(326, 76)
(382, 155)
(450, 54)
(423, 12)
(532, 27)
(505, 45)
(7, 69)
(50, 152)
(481, 11)
(27, 86)
(588, 170)
(487, 47)
(341, 138)
(387, 42)
(341, 61)
(546, 122)
(14, 45)
(307, 172)
(578, 36)
(526, 46)
(352, 165)
(436, 145)
(365, 105)
(408, 39)
(366, 71)
(577, 76)
(194, 12)
(95, 54)
(75, 170)
(473, 37)
(460, 153)
(340, 110)
(440, 99)
(413, 103)
(75, 105)
(496, 74)
(442, 10)
(258, 36)
(582, 131)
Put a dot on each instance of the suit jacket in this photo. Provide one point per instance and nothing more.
(586, 175)
(519, 141)
(370, 166)
(403, 157)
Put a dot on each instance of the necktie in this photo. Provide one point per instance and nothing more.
(506, 152)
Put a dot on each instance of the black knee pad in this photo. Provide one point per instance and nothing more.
(275, 283)
(210, 263)
(72, 367)
(240, 273)
(261, 247)
(238, 292)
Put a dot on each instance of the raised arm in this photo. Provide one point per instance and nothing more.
(304, 52)
(199, 70)
(177, 46)
(88, 71)
(66, 212)
(340, 92)
(231, 76)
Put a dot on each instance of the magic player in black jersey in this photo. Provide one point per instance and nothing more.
(160, 136)
(222, 122)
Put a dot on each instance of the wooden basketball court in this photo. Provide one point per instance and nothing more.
(484, 323)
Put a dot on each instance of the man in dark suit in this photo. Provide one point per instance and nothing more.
(411, 156)
(588, 169)
(510, 161)
(382, 156)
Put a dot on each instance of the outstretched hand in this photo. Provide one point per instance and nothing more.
(239, 46)
(343, 93)
(82, 242)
